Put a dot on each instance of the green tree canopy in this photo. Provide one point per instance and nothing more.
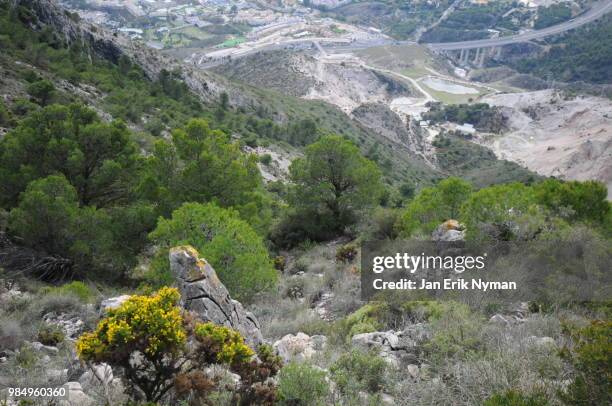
(50, 220)
(203, 165)
(233, 248)
(42, 91)
(503, 212)
(434, 205)
(98, 159)
(580, 201)
(332, 183)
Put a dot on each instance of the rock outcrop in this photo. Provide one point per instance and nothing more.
(71, 324)
(450, 230)
(395, 347)
(113, 302)
(299, 347)
(203, 293)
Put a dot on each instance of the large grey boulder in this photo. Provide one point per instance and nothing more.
(203, 293)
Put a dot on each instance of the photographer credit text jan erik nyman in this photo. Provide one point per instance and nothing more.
(413, 263)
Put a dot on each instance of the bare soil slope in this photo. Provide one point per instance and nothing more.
(556, 136)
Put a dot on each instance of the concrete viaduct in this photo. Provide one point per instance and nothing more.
(461, 51)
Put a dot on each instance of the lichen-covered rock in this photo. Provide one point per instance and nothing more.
(203, 293)
(299, 347)
(450, 230)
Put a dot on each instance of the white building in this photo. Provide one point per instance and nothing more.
(466, 128)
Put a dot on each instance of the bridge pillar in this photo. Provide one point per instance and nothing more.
(499, 53)
(480, 62)
(476, 57)
(461, 55)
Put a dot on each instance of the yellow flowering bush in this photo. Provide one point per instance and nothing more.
(146, 336)
(224, 345)
(151, 326)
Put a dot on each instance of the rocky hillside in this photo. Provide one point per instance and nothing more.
(344, 84)
(565, 137)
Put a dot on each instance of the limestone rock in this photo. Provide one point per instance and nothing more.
(113, 302)
(76, 396)
(70, 324)
(450, 230)
(299, 347)
(44, 349)
(377, 339)
(541, 341)
(388, 345)
(413, 371)
(203, 293)
(498, 319)
(417, 333)
(97, 375)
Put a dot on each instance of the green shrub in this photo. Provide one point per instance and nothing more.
(55, 302)
(591, 357)
(394, 313)
(302, 384)
(50, 335)
(76, 288)
(26, 357)
(5, 116)
(265, 159)
(358, 371)
(364, 320)
(232, 247)
(515, 398)
(433, 206)
(12, 335)
(280, 262)
(457, 332)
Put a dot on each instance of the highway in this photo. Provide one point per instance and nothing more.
(596, 11)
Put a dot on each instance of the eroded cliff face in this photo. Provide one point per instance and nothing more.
(570, 138)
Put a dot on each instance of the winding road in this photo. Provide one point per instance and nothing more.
(596, 11)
